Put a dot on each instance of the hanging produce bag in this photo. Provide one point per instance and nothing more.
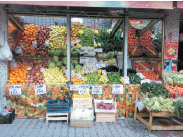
(5, 53)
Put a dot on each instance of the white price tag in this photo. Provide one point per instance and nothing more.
(98, 50)
(104, 73)
(84, 60)
(74, 87)
(40, 89)
(15, 89)
(29, 68)
(145, 81)
(79, 76)
(126, 80)
(99, 44)
(100, 65)
(83, 89)
(96, 89)
(140, 75)
(117, 89)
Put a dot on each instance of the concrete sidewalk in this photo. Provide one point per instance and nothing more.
(127, 127)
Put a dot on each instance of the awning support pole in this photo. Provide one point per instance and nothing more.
(68, 47)
(124, 67)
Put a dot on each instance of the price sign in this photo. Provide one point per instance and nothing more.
(98, 50)
(79, 76)
(83, 89)
(99, 44)
(145, 81)
(126, 80)
(40, 89)
(84, 60)
(96, 89)
(100, 65)
(74, 87)
(117, 89)
(15, 89)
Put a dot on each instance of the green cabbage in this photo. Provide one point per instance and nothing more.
(64, 61)
(52, 64)
(156, 106)
(78, 67)
(59, 64)
(112, 61)
(55, 59)
(110, 55)
(75, 62)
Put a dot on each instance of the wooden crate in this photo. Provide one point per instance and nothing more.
(105, 115)
(50, 116)
(165, 76)
(82, 102)
(81, 123)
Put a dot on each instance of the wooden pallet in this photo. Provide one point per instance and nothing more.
(50, 116)
(164, 113)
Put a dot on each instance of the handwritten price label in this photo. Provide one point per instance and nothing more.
(84, 60)
(40, 89)
(126, 80)
(104, 73)
(83, 89)
(100, 65)
(79, 76)
(15, 89)
(140, 75)
(117, 89)
(96, 89)
(99, 44)
(74, 87)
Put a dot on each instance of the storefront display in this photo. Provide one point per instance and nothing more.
(94, 63)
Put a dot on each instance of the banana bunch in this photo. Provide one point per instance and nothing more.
(104, 79)
(99, 72)
(63, 69)
(81, 72)
(122, 80)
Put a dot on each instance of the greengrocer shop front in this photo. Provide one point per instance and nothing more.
(67, 48)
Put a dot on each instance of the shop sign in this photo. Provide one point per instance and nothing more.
(171, 50)
(97, 90)
(40, 89)
(74, 87)
(83, 89)
(117, 89)
(15, 89)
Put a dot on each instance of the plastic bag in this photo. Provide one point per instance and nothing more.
(4, 112)
(81, 113)
(13, 63)
(46, 43)
(34, 44)
(18, 50)
(5, 53)
(139, 105)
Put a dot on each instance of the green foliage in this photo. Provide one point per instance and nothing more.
(133, 78)
(55, 59)
(154, 90)
(178, 105)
